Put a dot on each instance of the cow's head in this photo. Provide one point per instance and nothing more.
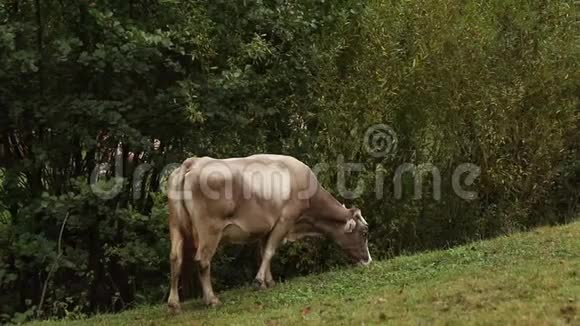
(352, 237)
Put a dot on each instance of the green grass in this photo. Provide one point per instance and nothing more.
(525, 279)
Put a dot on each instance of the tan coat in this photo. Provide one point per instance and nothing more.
(261, 198)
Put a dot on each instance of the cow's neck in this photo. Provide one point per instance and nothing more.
(314, 225)
(324, 206)
(323, 216)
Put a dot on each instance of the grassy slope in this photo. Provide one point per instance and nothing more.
(528, 278)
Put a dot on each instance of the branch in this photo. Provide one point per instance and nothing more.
(54, 265)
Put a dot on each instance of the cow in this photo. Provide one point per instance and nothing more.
(264, 198)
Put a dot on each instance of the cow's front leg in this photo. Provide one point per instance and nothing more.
(278, 233)
(207, 248)
(269, 280)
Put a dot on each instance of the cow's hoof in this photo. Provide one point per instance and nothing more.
(213, 302)
(259, 284)
(270, 283)
(174, 308)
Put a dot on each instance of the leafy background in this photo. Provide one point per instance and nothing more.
(493, 83)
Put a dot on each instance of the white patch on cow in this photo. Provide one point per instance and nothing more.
(269, 181)
(350, 226)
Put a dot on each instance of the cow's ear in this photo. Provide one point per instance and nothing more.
(349, 226)
(357, 215)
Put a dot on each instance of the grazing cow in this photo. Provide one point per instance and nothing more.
(262, 198)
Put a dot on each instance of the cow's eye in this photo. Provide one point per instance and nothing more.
(365, 233)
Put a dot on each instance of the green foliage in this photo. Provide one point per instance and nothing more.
(140, 85)
(460, 82)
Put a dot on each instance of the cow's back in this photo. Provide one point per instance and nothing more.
(248, 192)
(262, 177)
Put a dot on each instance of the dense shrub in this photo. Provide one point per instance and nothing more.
(461, 82)
(142, 84)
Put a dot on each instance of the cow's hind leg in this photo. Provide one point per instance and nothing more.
(176, 259)
(208, 243)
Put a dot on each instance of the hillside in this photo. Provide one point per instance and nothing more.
(526, 279)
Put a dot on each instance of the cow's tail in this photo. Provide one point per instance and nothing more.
(178, 202)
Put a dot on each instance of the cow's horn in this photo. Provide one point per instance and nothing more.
(349, 226)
